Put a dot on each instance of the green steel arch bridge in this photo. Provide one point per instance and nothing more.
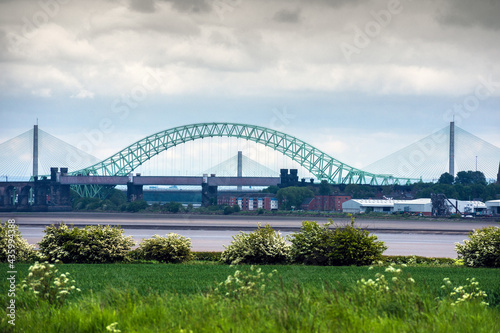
(317, 162)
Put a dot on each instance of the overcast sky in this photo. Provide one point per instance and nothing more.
(358, 79)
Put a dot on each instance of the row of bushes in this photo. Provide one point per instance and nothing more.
(312, 245)
(92, 244)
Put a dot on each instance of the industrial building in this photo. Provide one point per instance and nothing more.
(356, 206)
(467, 207)
(421, 206)
(493, 207)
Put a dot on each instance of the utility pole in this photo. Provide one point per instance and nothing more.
(240, 168)
(452, 149)
(35, 150)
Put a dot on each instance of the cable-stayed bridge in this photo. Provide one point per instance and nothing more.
(451, 149)
(425, 159)
(16, 155)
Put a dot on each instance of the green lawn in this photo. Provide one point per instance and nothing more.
(200, 277)
(181, 298)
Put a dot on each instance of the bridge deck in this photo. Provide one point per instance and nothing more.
(169, 180)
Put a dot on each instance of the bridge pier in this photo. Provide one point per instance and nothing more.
(42, 193)
(24, 197)
(36, 195)
(8, 196)
(208, 192)
(134, 192)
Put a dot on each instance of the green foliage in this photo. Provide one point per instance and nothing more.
(395, 295)
(13, 246)
(470, 177)
(324, 188)
(312, 245)
(117, 197)
(93, 244)
(271, 189)
(396, 302)
(113, 201)
(343, 245)
(482, 249)
(43, 283)
(207, 256)
(464, 294)
(293, 196)
(458, 191)
(170, 249)
(418, 260)
(357, 191)
(236, 208)
(228, 210)
(244, 283)
(263, 246)
(135, 206)
(174, 207)
(446, 178)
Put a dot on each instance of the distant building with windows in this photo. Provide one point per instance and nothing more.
(249, 202)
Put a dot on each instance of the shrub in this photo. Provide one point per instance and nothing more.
(312, 245)
(263, 246)
(174, 207)
(207, 256)
(482, 249)
(93, 244)
(173, 248)
(13, 246)
(43, 283)
(343, 245)
(228, 210)
(136, 206)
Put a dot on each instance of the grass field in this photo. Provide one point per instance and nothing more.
(181, 298)
(200, 277)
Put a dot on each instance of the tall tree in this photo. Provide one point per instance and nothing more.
(324, 188)
(293, 196)
(446, 178)
(470, 177)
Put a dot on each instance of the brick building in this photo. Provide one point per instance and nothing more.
(249, 202)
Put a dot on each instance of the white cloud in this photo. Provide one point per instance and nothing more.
(265, 53)
(84, 94)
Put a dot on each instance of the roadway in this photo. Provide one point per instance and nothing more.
(429, 238)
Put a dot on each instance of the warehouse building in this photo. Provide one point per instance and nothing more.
(493, 206)
(467, 207)
(356, 206)
(421, 206)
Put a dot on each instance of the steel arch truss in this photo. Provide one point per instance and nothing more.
(318, 163)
